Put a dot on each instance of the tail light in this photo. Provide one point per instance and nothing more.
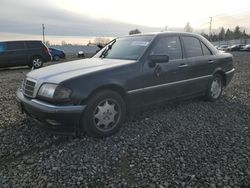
(46, 50)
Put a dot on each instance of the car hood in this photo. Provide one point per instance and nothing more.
(63, 71)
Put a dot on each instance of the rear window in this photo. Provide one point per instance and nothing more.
(192, 46)
(33, 44)
(15, 45)
(205, 49)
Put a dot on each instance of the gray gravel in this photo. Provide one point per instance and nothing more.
(184, 144)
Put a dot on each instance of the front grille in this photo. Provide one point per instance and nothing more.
(28, 88)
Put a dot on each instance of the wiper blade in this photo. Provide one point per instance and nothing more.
(107, 49)
(104, 53)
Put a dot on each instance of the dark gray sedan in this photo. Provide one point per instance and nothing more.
(94, 95)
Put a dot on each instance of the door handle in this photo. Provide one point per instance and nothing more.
(210, 61)
(182, 65)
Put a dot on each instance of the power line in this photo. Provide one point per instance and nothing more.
(231, 13)
(237, 16)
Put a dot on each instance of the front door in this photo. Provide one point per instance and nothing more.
(164, 81)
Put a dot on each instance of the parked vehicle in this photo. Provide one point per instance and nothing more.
(57, 54)
(88, 50)
(223, 47)
(95, 94)
(236, 47)
(216, 46)
(80, 54)
(21, 53)
(246, 47)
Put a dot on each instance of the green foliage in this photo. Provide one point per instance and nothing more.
(47, 43)
(222, 34)
(135, 31)
(227, 34)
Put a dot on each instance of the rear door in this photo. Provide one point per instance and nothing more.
(200, 61)
(17, 54)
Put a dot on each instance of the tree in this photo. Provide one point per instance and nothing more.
(244, 34)
(63, 43)
(135, 31)
(222, 34)
(47, 43)
(237, 33)
(205, 35)
(188, 28)
(214, 37)
(229, 34)
(102, 41)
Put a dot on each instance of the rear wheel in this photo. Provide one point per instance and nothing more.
(36, 62)
(215, 88)
(104, 114)
(56, 58)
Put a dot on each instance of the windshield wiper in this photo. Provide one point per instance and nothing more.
(107, 49)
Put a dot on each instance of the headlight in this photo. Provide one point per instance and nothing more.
(54, 92)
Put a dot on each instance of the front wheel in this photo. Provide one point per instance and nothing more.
(215, 88)
(104, 114)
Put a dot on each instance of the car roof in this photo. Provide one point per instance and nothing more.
(155, 34)
(23, 41)
(163, 33)
(55, 49)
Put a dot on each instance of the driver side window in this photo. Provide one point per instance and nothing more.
(170, 46)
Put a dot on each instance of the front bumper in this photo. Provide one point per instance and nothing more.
(229, 76)
(52, 114)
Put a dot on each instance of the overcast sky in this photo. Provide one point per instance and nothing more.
(116, 17)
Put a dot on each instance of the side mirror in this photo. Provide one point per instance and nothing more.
(158, 58)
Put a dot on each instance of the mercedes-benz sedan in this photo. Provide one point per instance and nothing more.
(93, 95)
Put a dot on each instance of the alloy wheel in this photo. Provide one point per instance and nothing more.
(37, 62)
(216, 88)
(107, 114)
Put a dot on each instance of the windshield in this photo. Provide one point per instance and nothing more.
(130, 48)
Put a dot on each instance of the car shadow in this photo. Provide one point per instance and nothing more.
(14, 68)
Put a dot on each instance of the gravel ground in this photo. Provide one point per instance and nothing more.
(185, 144)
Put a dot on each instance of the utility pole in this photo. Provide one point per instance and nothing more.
(210, 27)
(43, 33)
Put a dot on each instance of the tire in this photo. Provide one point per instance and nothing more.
(36, 62)
(215, 88)
(81, 55)
(104, 115)
(56, 58)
